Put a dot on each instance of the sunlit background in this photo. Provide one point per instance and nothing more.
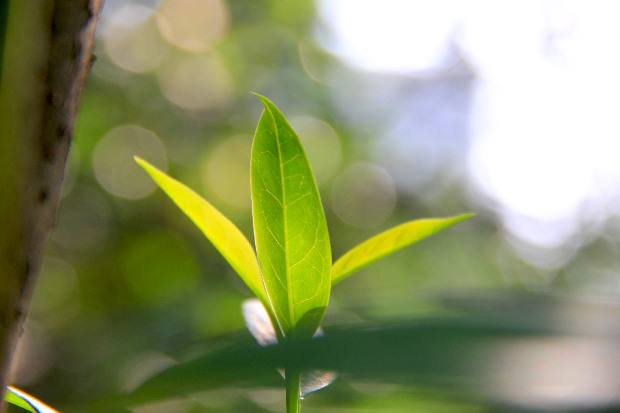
(406, 108)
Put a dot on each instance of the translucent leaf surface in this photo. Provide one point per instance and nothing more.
(224, 235)
(388, 242)
(290, 231)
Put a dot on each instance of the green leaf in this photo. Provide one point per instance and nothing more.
(290, 231)
(224, 235)
(27, 402)
(18, 401)
(388, 242)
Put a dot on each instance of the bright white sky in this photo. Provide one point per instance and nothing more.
(545, 126)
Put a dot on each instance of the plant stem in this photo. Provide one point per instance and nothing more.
(293, 394)
(46, 53)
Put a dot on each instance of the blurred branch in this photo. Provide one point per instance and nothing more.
(46, 54)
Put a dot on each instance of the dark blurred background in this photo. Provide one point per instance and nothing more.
(407, 109)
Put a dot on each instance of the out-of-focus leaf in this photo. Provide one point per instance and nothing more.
(388, 242)
(290, 231)
(258, 322)
(535, 310)
(224, 235)
(25, 401)
(436, 353)
(260, 326)
(15, 400)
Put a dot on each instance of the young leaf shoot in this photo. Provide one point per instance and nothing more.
(289, 226)
(293, 274)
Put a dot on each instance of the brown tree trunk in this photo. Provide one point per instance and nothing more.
(46, 56)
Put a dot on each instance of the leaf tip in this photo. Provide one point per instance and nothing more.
(144, 164)
(267, 103)
(466, 216)
(148, 168)
(456, 219)
(259, 95)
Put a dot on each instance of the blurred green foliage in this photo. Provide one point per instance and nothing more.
(129, 285)
(127, 281)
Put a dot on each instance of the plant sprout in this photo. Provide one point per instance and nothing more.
(291, 272)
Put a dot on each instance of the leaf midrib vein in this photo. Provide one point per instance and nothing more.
(289, 288)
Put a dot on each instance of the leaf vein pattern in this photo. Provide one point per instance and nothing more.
(289, 288)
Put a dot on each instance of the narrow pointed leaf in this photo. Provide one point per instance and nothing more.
(224, 235)
(388, 242)
(27, 402)
(15, 400)
(289, 226)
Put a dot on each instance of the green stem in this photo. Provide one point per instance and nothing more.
(293, 394)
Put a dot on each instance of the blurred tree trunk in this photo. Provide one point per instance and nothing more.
(45, 54)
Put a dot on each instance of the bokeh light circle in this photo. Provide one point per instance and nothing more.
(196, 82)
(226, 171)
(322, 145)
(363, 195)
(193, 25)
(132, 41)
(114, 166)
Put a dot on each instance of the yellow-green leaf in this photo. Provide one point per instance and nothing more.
(15, 400)
(290, 231)
(27, 402)
(224, 235)
(388, 242)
